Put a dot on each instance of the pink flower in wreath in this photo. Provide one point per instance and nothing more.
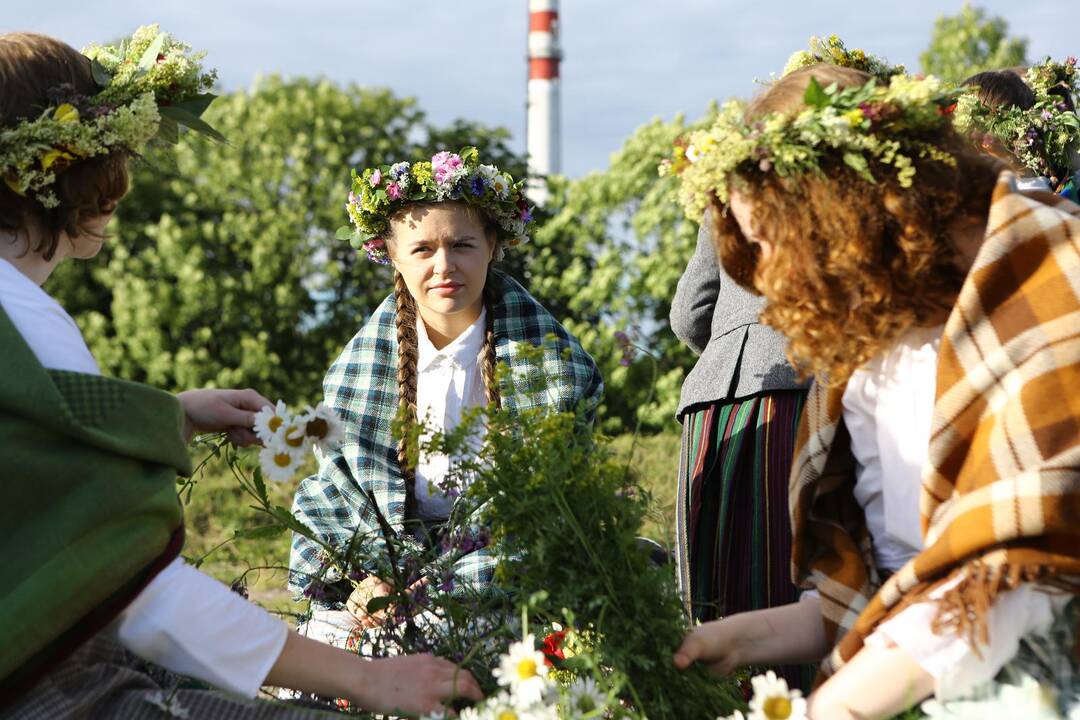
(393, 191)
(444, 164)
(376, 178)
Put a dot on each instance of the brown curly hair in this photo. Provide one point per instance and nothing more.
(31, 66)
(854, 264)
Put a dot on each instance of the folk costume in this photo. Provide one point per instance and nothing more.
(99, 615)
(1000, 486)
(364, 479)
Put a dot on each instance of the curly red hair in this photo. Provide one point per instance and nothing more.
(854, 264)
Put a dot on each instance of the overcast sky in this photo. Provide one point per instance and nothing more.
(626, 61)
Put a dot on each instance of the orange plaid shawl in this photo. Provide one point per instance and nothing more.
(1000, 499)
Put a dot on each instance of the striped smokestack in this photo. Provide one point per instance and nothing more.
(543, 130)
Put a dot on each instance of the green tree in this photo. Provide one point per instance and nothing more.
(224, 269)
(970, 42)
(611, 254)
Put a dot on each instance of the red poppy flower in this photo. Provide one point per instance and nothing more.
(553, 647)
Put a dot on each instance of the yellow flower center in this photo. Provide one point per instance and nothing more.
(777, 707)
(507, 715)
(526, 669)
(282, 460)
(275, 423)
(317, 428)
(294, 438)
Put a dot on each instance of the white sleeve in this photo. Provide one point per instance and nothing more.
(953, 664)
(190, 623)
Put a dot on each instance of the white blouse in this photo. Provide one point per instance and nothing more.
(183, 619)
(888, 409)
(448, 383)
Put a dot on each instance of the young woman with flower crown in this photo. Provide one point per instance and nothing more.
(97, 605)
(937, 466)
(1028, 118)
(428, 353)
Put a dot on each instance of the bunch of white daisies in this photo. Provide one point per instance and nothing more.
(529, 694)
(288, 437)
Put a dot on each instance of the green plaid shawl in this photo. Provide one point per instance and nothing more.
(88, 505)
(361, 386)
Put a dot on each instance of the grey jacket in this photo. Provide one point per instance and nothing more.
(718, 320)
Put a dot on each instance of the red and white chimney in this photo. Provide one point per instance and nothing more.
(542, 129)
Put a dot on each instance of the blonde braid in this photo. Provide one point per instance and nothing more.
(405, 316)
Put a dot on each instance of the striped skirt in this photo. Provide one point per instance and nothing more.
(733, 528)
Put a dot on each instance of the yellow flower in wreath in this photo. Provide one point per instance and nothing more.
(66, 113)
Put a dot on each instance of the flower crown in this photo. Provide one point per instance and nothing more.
(888, 124)
(1042, 137)
(380, 192)
(150, 85)
(831, 51)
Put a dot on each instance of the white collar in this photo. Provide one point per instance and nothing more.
(463, 350)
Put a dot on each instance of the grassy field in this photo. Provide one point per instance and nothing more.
(218, 507)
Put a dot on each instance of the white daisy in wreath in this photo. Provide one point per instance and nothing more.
(523, 670)
(323, 427)
(774, 701)
(270, 421)
(279, 462)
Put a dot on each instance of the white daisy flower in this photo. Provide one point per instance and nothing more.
(323, 427)
(501, 185)
(169, 705)
(270, 420)
(279, 462)
(737, 715)
(523, 670)
(774, 701)
(692, 154)
(294, 437)
(585, 696)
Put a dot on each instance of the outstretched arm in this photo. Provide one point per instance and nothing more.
(411, 684)
(786, 634)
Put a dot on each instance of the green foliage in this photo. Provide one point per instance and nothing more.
(610, 254)
(970, 42)
(224, 270)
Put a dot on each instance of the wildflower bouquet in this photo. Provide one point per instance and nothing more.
(1042, 138)
(379, 192)
(150, 85)
(884, 124)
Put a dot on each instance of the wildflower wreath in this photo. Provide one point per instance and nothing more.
(151, 84)
(1043, 137)
(379, 192)
(887, 124)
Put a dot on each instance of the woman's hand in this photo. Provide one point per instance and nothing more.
(716, 644)
(792, 633)
(367, 589)
(228, 411)
(414, 685)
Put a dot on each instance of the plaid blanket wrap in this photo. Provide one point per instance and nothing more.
(361, 386)
(1000, 496)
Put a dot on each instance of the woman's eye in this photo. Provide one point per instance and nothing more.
(420, 249)
(463, 244)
